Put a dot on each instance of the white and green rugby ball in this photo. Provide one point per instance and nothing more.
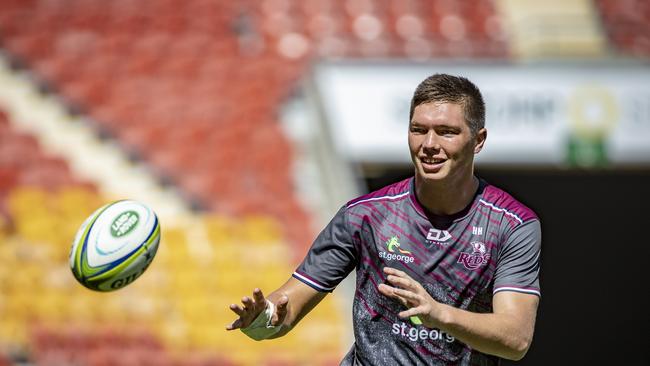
(115, 245)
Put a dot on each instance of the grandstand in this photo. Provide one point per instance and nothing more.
(181, 104)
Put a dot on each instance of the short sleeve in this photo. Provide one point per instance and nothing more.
(519, 260)
(332, 256)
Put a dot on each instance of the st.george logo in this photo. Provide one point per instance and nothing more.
(477, 258)
(393, 244)
(395, 252)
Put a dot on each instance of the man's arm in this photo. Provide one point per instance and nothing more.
(507, 332)
(332, 256)
(292, 301)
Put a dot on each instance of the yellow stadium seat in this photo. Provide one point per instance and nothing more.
(26, 201)
(4, 229)
(77, 202)
(260, 229)
(13, 332)
(37, 228)
(220, 229)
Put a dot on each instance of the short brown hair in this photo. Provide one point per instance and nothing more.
(452, 89)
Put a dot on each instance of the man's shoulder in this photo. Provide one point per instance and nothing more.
(391, 193)
(499, 200)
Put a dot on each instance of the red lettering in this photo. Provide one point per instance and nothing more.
(471, 261)
(463, 257)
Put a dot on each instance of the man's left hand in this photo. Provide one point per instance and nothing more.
(413, 296)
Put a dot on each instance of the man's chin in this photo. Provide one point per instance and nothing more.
(432, 176)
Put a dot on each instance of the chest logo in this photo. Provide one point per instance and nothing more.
(393, 245)
(395, 252)
(440, 236)
(479, 256)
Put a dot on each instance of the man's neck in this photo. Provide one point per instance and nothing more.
(446, 198)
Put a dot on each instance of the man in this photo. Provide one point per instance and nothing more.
(447, 265)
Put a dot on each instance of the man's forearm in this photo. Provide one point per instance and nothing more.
(496, 334)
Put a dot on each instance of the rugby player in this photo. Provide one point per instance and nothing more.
(447, 265)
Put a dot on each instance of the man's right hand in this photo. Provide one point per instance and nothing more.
(252, 308)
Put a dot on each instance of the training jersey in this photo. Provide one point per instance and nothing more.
(461, 260)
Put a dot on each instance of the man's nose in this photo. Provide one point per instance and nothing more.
(431, 141)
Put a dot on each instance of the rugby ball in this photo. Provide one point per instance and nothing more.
(115, 245)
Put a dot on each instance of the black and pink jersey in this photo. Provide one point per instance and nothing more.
(461, 260)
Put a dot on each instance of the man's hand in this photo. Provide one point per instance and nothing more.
(413, 296)
(252, 308)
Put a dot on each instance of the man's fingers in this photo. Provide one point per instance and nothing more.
(237, 309)
(282, 302)
(410, 312)
(390, 292)
(395, 272)
(249, 309)
(407, 298)
(402, 282)
(248, 303)
(386, 290)
(258, 296)
(280, 311)
(234, 325)
(407, 294)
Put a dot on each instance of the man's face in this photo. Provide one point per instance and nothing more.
(441, 142)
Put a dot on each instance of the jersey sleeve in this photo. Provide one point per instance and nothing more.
(332, 256)
(519, 260)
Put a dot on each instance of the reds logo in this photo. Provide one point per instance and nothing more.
(477, 258)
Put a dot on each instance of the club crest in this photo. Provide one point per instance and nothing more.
(477, 258)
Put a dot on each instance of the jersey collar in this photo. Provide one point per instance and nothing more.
(445, 220)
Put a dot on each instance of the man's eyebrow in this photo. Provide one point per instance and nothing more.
(448, 127)
(416, 123)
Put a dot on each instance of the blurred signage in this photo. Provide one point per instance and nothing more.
(536, 114)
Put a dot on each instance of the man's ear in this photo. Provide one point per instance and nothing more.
(481, 136)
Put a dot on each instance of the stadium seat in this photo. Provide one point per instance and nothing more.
(626, 24)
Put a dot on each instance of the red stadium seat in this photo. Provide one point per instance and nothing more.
(626, 24)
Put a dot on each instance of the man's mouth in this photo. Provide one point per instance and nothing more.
(432, 161)
(432, 165)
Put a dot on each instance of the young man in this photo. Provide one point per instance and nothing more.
(447, 265)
